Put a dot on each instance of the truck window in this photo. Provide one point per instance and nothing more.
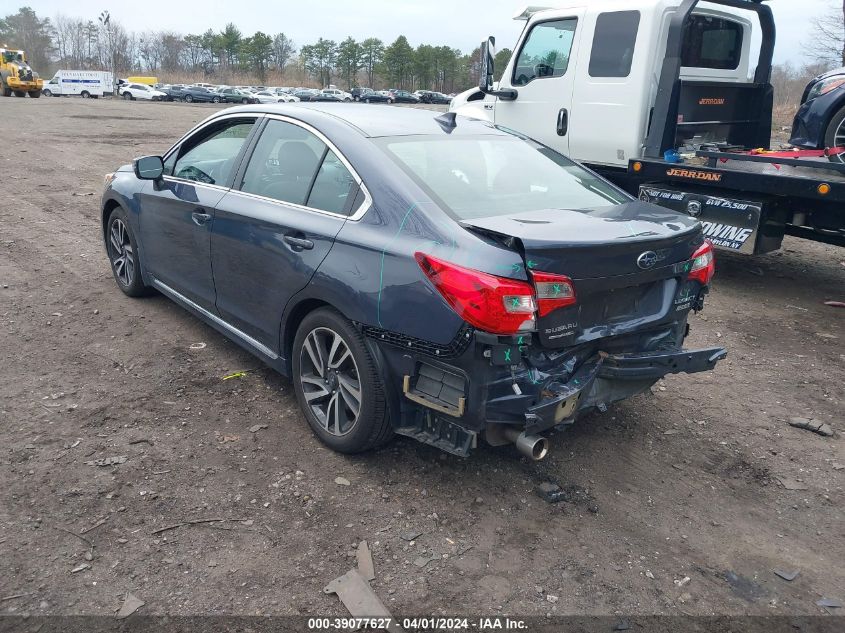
(711, 42)
(613, 44)
(545, 52)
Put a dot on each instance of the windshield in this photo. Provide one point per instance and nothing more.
(483, 176)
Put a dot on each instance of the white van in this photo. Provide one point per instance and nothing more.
(84, 83)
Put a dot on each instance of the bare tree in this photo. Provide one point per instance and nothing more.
(829, 35)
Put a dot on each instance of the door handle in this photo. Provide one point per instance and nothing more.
(200, 217)
(299, 243)
(562, 122)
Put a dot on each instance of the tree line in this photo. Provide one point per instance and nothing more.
(230, 56)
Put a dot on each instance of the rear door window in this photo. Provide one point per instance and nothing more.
(711, 42)
(545, 52)
(332, 186)
(291, 164)
(613, 44)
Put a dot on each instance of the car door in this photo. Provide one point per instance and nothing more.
(177, 212)
(543, 73)
(275, 227)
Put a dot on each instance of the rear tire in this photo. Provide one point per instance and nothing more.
(85, 94)
(835, 135)
(189, 99)
(122, 249)
(20, 93)
(216, 100)
(34, 95)
(244, 101)
(328, 394)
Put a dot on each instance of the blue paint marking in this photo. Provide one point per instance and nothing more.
(381, 269)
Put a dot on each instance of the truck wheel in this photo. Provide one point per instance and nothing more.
(20, 93)
(34, 95)
(47, 93)
(85, 94)
(337, 384)
(835, 134)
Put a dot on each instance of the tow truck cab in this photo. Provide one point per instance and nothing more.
(585, 78)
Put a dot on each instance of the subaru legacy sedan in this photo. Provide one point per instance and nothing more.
(426, 275)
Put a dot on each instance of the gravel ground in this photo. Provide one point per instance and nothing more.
(668, 494)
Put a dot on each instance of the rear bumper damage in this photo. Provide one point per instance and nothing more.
(492, 387)
(610, 378)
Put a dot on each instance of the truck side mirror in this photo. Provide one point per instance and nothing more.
(485, 83)
(488, 53)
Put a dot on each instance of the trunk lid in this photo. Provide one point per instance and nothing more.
(628, 264)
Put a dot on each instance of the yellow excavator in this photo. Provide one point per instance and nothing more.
(17, 76)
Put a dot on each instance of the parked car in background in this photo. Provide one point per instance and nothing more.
(131, 91)
(199, 94)
(356, 92)
(820, 121)
(174, 92)
(340, 94)
(367, 95)
(305, 94)
(437, 98)
(422, 95)
(527, 291)
(403, 96)
(265, 96)
(234, 95)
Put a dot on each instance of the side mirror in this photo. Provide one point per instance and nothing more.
(488, 54)
(485, 83)
(148, 167)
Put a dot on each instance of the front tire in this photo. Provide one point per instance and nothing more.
(337, 384)
(127, 96)
(47, 93)
(85, 94)
(34, 95)
(123, 255)
(20, 93)
(189, 99)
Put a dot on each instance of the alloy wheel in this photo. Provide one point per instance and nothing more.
(121, 253)
(330, 381)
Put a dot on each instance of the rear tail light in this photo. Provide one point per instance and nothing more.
(493, 304)
(703, 264)
(553, 292)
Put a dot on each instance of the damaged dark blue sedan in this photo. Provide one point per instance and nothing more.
(431, 276)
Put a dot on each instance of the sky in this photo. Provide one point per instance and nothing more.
(461, 24)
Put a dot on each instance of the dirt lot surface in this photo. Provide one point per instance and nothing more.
(681, 501)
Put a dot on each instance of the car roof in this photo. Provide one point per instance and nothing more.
(375, 121)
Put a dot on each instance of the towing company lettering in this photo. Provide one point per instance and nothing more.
(692, 174)
(725, 235)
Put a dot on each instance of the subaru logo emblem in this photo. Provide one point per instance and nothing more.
(647, 260)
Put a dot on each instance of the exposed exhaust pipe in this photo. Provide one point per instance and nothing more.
(534, 447)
